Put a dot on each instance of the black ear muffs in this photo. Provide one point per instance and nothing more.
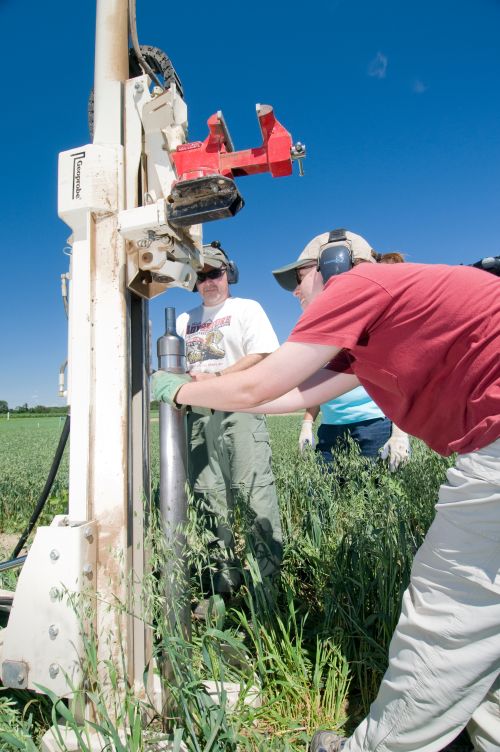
(232, 272)
(335, 257)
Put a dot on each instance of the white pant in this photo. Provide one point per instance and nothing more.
(444, 657)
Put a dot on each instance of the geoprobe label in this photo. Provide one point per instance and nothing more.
(77, 174)
(89, 180)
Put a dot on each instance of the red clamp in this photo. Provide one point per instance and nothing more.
(205, 188)
(216, 155)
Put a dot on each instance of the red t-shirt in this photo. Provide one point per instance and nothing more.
(424, 341)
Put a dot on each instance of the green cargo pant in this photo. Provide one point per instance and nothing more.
(230, 459)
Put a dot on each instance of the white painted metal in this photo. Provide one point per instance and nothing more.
(61, 738)
(88, 189)
(44, 631)
(159, 256)
(165, 127)
(107, 370)
(139, 646)
(91, 193)
(111, 69)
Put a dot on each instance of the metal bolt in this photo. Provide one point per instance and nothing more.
(221, 182)
(147, 257)
(53, 631)
(54, 593)
(87, 533)
(20, 678)
(53, 670)
(87, 569)
(139, 87)
(54, 554)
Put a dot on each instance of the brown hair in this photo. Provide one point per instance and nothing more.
(389, 258)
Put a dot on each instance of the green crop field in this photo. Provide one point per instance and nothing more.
(318, 654)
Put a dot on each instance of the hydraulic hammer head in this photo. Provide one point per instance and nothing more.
(205, 188)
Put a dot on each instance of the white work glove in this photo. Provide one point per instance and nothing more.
(397, 449)
(306, 435)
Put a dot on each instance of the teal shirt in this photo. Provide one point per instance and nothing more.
(352, 407)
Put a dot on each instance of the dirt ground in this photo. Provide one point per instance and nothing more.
(7, 543)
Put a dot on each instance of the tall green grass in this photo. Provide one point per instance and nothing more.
(317, 652)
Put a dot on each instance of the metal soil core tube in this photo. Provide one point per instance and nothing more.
(173, 499)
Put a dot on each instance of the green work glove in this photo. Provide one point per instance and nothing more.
(166, 385)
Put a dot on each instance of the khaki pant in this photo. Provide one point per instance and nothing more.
(230, 457)
(444, 658)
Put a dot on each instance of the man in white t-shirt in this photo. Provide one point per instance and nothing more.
(229, 453)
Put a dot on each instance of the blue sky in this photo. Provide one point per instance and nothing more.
(397, 103)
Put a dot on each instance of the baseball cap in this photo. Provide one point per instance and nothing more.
(360, 249)
(213, 255)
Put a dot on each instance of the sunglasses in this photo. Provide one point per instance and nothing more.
(212, 274)
(302, 272)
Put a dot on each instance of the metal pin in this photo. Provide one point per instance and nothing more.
(298, 153)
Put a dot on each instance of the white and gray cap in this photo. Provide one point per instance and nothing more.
(214, 256)
(360, 249)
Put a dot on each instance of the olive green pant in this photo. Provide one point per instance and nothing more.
(229, 462)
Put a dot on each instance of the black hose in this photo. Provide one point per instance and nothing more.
(46, 489)
(12, 563)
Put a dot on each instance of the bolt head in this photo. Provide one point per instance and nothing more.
(53, 631)
(53, 670)
(20, 678)
(87, 569)
(87, 533)
(54, 554)
(54, 593)
(139, 87)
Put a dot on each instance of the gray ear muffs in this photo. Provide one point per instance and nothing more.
(334, 258)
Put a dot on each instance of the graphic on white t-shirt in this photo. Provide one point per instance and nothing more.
(205, 341)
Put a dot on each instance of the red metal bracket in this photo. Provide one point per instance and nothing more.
(216, 155)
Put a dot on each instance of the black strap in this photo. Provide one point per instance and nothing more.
(336, 235)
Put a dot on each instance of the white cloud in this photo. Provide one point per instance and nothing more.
(378, 66)
(419, 87)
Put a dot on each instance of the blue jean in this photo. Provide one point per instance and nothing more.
(370, 435)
